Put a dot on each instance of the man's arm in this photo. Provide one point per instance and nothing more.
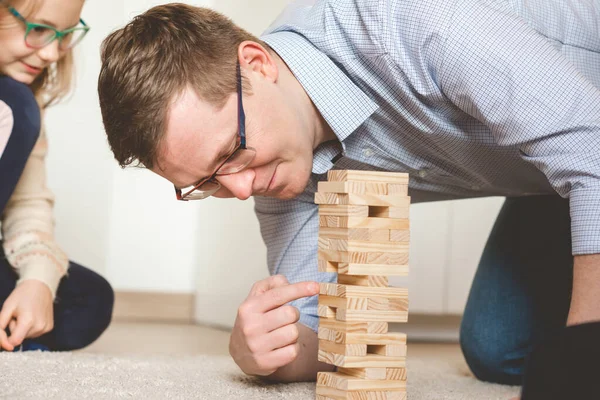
(586, 290)
(305, 366)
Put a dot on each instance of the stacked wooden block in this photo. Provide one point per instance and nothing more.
(364, 237)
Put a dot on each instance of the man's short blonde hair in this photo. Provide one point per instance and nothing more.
(154, 58)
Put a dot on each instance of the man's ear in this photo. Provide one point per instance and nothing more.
(256, 57)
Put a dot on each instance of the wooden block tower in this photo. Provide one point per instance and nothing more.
(364, 237)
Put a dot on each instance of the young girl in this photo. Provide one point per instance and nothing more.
(45, 302)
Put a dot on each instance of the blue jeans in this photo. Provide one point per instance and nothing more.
(84, 300)
(522, 289)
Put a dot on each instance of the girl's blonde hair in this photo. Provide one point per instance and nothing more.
(54, 83)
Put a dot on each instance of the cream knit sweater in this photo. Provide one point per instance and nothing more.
(28, 221)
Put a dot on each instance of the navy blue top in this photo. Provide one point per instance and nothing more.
(23, 136)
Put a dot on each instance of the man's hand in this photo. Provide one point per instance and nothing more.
(28, 313)
(265, 334)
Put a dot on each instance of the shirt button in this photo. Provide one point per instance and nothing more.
(422, 173)
(476, 188)
(368, 152)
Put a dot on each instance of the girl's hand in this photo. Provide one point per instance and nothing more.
(28, 313)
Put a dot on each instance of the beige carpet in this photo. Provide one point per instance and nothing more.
(65, 376)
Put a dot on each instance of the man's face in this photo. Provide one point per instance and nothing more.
(200, 136)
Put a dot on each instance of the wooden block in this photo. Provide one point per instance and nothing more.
(370, 269)
(362, 246)
(363, 280)
(353, 187)
(324, 311)
(356, 257)
(365, 373)
(345, 269)
(368, 361)
(395, 189)
(327, 266)
(344, 210)
(361, 338)
(338, 394)
(341, 381)
(362, 199)
(399, 235)
(388, 212)
(356, 303)
(332, 221)
(363, 303)
(335, 289)
(398, 374)
(386, 349)
(319, 397)
(354, 327)
(344, 175)
(371, 315)
(364, 234)
(351, 349)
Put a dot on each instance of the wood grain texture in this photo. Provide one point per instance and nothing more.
(399, 235)
(332, 221)
(361, 338)
(362, 269)
(370, 176)
(397, 374)
(362, 199)
(354, 327)
(344, 210)
(324, 392)
(364, 257)
(364, 303)
(353, 187)
(368, 361)
(364, 234)
(397, 189)
(389, 212)
(362, 246)
(363, 280)
(350, 349)
(335, 289)
(341, 381)
(371, 315)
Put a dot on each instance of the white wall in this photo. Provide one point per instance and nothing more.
(125, 225)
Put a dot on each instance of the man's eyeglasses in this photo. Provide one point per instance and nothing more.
(241, 157)
(38, 36)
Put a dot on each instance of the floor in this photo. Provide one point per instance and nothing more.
(160, 339)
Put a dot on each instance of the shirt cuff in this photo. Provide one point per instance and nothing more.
(585, 220)
(43, 270)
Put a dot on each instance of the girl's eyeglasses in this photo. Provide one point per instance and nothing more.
(40, 35)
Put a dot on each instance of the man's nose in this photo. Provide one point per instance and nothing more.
(239, 184)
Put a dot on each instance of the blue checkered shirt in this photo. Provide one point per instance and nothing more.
(471, 97)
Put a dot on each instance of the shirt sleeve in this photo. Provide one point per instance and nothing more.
(28, 225)
(290, 229)
(499, 70)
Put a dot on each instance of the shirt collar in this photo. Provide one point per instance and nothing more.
(343, 105)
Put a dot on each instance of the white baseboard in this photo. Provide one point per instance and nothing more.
(154, 306)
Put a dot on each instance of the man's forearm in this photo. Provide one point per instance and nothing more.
(305, 366)
(585, 302)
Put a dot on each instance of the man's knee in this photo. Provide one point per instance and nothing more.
(492, 358)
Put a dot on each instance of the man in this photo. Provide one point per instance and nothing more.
(472, 98)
